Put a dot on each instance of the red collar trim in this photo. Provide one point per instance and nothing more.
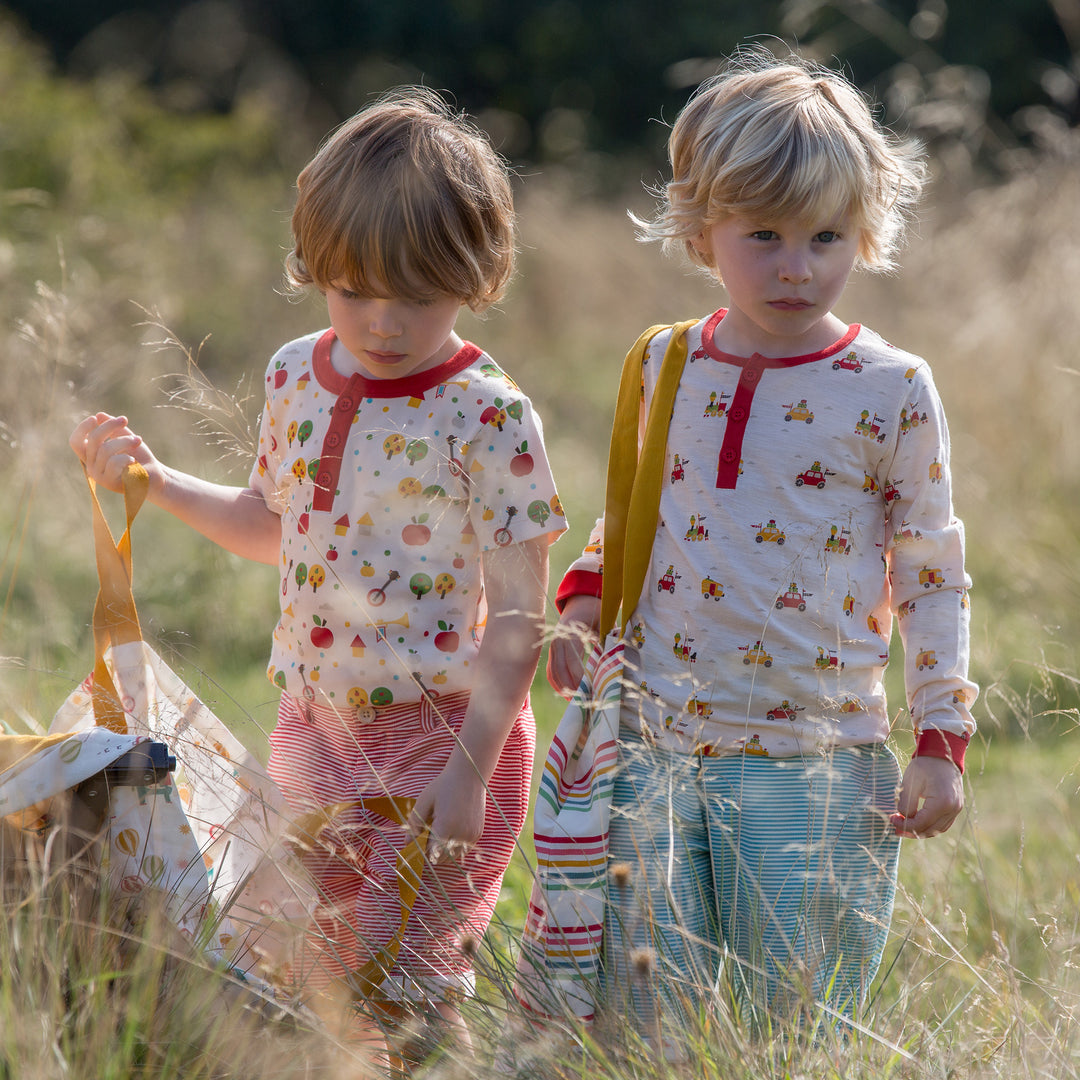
(759, 361)
(411, 386)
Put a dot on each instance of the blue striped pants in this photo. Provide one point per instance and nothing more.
(785, 868)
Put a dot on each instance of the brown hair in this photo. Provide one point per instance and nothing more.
(406, 199)
(786, 138)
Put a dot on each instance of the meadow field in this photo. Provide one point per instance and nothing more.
(140, 264)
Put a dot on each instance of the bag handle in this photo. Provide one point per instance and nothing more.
(116, 621)
(635, 478)
(365, 981)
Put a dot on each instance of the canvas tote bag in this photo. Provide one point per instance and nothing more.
(213, 838)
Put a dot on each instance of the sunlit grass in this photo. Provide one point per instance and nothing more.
(979, 978)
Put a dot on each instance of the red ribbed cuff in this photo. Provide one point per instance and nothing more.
(578, 583)
(942, 744)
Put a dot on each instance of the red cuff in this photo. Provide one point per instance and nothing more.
(941, 744)
(578, 583)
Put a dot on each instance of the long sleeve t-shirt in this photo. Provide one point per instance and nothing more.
(806, 504)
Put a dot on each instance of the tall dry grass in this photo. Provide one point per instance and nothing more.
(979, 978)
(111, 281)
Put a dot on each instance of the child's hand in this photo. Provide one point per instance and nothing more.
(578, 625)
(238, 519)
(930, 799)
(106, 445)
(454, 806)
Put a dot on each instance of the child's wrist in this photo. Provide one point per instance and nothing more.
(933, 742)
(468, 768)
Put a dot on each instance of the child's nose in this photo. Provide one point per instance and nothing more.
(795, 267)
(384, 319)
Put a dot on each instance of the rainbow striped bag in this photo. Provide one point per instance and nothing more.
(559, 962)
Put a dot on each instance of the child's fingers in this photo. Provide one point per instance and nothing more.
(930, 798)
(83, 431)
(106, 446)
(441, 852)
(929, 816)
(573, 635)
(92, 434)
(929, 821)
(564, 665)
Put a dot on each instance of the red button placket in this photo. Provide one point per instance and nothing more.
(727, 468)
(333, 447)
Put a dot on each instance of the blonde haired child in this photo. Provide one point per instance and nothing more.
(805, 504)
(410, 525)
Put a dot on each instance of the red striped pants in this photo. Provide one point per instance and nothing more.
(321, 756)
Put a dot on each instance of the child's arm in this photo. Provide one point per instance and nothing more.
(929, 586)
(237, 519)
(515, 582)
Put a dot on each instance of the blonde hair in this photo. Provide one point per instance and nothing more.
(406, 199)
(774, 139)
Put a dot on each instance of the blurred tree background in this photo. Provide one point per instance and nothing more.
(581, 82)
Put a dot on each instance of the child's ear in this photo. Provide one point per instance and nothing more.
(702, 250)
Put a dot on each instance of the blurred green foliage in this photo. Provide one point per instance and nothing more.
(580, 81)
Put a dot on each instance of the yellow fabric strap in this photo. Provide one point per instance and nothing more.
(115, 619)
(635, 479)
(365, 981)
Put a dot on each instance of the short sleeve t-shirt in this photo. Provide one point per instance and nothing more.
(389, 491)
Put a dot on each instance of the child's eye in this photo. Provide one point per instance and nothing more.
(828, 236)
(347, 294)
(763, 234)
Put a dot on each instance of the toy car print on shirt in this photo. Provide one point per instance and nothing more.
(804, 499)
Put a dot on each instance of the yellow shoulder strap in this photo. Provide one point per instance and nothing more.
(634, 480)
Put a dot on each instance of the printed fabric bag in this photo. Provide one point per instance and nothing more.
(558, 965)
(213, 837)
(36, 768)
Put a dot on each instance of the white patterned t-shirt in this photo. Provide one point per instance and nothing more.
(389, 491)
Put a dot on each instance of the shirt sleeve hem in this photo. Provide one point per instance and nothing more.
(933, 742)
(578, 583)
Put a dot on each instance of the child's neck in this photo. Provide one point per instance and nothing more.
(737, 335)
(346, 364)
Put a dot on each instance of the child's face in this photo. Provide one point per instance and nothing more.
(783, 278)
(389, 337)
